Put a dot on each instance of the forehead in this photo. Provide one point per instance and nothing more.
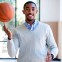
(30, 5)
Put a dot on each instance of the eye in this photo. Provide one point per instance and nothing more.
(33, 9)
(27, 8)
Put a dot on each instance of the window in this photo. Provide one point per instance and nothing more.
(17, 20)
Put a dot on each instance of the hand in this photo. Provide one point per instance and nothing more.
(7, 31)
(49, 57)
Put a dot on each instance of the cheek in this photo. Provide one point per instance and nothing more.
(25, 12)
(35, 14)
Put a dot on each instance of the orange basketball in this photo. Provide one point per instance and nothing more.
(6, 12)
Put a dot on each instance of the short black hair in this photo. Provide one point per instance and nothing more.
(28, 3)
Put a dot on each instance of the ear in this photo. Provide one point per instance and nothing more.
(36, 11)
(23, 11)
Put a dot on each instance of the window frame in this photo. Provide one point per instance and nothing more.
(16, 23)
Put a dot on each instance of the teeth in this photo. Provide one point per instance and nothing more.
(30, 15)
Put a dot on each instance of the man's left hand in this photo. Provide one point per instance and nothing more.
(49, 57)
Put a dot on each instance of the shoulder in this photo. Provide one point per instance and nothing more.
(44, 25)
(47, 28)
(19, 27)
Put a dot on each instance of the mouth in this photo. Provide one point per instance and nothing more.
(30, 15)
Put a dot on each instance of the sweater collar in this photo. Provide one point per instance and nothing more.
(33, 26)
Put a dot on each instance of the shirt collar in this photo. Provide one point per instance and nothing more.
(33, 26)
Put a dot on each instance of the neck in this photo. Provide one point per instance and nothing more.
(30, 22)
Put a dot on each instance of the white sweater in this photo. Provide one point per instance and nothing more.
(33, 44)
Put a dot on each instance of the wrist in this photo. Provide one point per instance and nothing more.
(9, 38)
(52, 56)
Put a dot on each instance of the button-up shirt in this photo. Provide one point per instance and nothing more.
(33, 26)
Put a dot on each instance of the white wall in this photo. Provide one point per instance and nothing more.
(60, 31)
(60, 10)
(50, 10)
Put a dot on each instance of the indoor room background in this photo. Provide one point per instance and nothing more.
(49, 11)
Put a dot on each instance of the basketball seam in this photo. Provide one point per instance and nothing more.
(1, 14)
(5, 14)
(3, 18)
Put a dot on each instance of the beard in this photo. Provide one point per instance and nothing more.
(30, 19)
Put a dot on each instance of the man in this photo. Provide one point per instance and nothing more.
(33, 38)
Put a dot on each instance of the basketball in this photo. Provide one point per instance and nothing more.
(6, 12)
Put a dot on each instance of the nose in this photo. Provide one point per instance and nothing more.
(30, 11)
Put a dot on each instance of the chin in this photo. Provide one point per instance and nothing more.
(30, 19)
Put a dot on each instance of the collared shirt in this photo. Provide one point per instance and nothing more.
(33, 26)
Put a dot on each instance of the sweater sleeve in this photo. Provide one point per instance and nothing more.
(13, 45)
(51, 42)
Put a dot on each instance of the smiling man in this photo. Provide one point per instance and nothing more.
(30, 11)
(33, 38)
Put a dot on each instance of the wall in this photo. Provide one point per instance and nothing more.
(51, 13)
(60, 39)
(60, 30)
(61, 10)
(50, 10)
